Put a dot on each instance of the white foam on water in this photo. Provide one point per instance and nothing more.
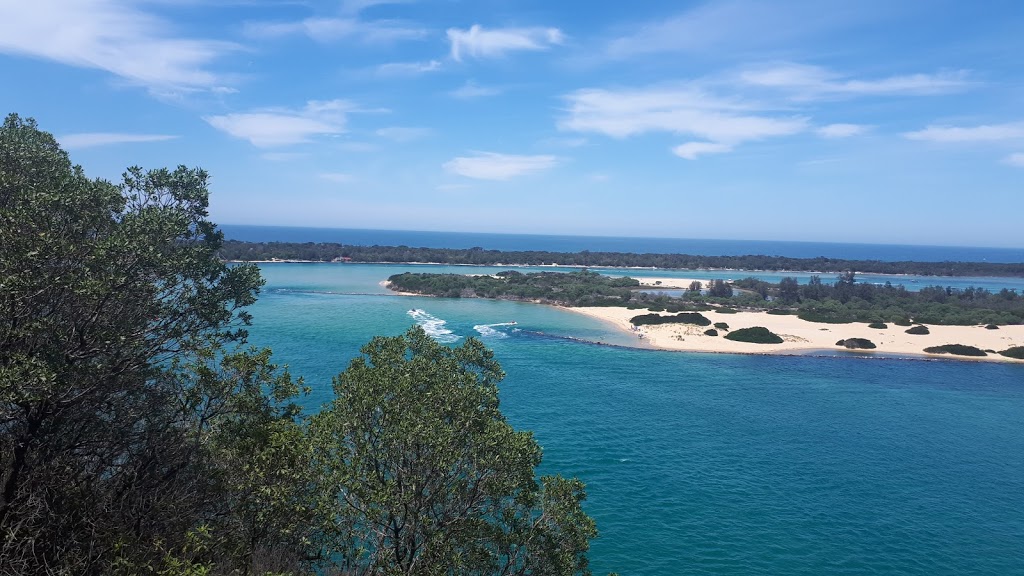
(433, 326)
(488, 331)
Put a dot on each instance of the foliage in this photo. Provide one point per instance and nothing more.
(719, 289)
(582, 288)
(328, 252)
(919, 330)
(721, 325)
(1014, 352)
(130, 414)
(857, 344)
(681, 318)
(430, 478)
(957, 349)
(991, 327)
(878, 325)
(711, 332)
(756, 335)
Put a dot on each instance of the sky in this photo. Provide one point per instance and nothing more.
(819, 120)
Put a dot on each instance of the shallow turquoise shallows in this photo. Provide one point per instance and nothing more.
(714, 464)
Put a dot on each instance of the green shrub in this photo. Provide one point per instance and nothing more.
(782, 311)
(756, 335)
(919, 329)
(721, 325)
(680, 318)
(957, 349)
(1014, 352)
(726, 310)
(711, 332)
(901, 322)
(878, 325)
(857, 344)
(991, 327)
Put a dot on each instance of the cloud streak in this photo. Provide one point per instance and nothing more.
(273, 127)
(93, 139)
(983, 133)
(477, 42)
(494, 166)
(114, 36)
(813, 82)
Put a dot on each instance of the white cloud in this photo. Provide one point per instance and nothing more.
(841, 130)
(332, 29)
(403, 133)
(494, 166)
(111, 35)
(336, 177)
(91, 139)
(983, 133)
(809, 82)
(281, 126)
(684, 110)
(471, 90)
(480, 43)
(691, 150)
(1016, 159)
(408, 68)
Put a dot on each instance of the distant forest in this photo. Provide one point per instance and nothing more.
(329, 252)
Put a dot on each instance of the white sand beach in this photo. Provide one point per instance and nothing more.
(801, 336)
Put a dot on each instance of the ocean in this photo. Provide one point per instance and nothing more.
(713, 463)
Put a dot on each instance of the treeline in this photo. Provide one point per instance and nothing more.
(845, 300)
(326, 252)
(582, 288)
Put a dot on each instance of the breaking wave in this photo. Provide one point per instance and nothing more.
(491, 331)
(433, 326)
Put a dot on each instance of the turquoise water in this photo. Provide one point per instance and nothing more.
(715, 464)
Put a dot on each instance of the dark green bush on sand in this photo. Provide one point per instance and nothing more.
(956, 349)
(711, 332)
(1014, 352)
(878, 325)
(991, 327)
(680, 318)
(919, 329)
(782, 312)
(756, 335)
(726, 310)
(721, 325)
(857, 344)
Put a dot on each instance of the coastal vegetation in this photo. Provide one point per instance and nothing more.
(140, 433)
(755, 335)
(331, 252)
(956, 349)
(918, 330)
(841, 302)
(857, 344)
(695, 318)
(1014, 352)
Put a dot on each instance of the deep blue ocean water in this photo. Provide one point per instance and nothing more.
(714, 464)
(560, 243)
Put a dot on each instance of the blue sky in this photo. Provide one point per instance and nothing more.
(867, 121)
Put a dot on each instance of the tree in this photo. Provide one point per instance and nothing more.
(719, 289)
(430, 478)
(789, 290)
(122, 377)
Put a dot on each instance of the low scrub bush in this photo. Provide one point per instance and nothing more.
(721, 325)
(782, 311)
(956, 349)
(991, 327)
(711, 332)
(756, 335)
(726, 310)
(878, 325)
(919, 329)
(1014, 352)
(680, 318)
(857, 344)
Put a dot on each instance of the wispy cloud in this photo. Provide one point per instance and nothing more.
(92, 139)
(281, 126)
(691, 150)
(685, 110)
(408, 68)
(115, 36)
(480, 43)
(403, 133)
(810, 82)
(834, 131)
(494, 166)
(1016, 159)
(332, 29)
(336, 177)
(471, 90)
(983, 133)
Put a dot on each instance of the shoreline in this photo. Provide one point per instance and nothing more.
(803, 338)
